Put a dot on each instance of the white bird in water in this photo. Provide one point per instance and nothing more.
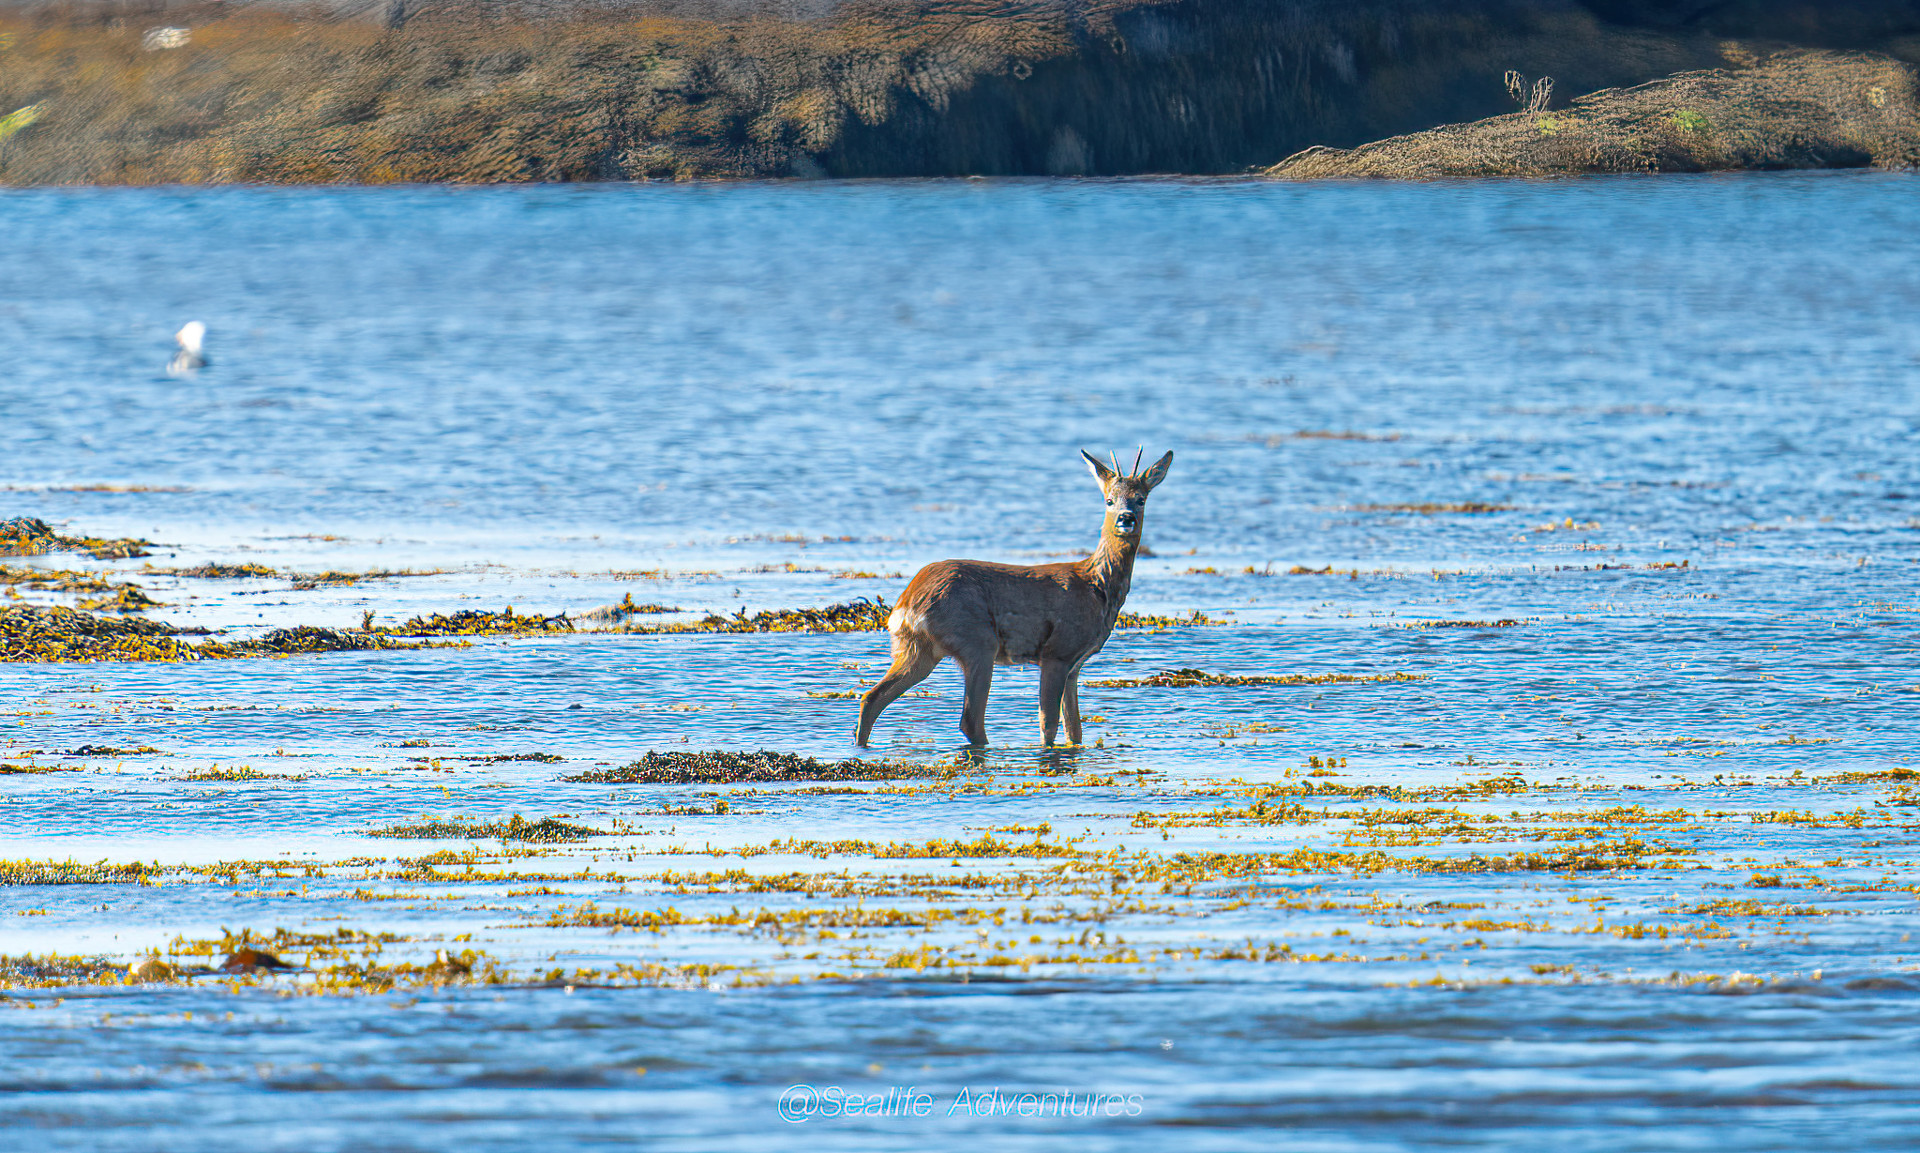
(192, 355)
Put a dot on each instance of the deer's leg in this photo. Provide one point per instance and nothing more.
(978, 670)
(1070, 702)
(1055, 676)
(912, 661)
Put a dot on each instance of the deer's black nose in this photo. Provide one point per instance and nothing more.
(1125, 521)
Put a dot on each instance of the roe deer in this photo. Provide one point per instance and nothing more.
(1054, 615)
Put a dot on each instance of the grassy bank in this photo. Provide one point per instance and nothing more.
(886, 87)
(1795, 110)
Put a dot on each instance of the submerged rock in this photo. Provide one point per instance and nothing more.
(150, 969)
(1790, 110)
(253, 961)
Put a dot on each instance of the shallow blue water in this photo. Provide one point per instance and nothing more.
(759, 393)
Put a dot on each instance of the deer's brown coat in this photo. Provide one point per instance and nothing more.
(982, 614)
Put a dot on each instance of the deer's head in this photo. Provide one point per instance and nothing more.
(1127, 494)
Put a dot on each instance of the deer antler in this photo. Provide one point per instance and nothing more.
(1115, 460)
(1135, 470)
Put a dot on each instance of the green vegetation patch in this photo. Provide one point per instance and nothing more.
(1689, 120)
(721, 767)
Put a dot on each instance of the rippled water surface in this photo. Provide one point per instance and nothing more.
(1582, 513)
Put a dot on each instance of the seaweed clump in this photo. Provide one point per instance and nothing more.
(54, 970)
(216, 571)
(1193, 620)
(1439, 508)
(30, 536)
(857, 616)
(333, 578)
(55, 633)
(312, 639)
(626, 608)
(1197, 678)
(479, 623)
(71, 873)
(126, 599)
(722, 767)
(545, 831)
(60, 580)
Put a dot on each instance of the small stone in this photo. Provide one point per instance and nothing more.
(151, 969)
(252, 961)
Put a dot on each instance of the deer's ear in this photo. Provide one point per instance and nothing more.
(1101, 472)
(1158, 472)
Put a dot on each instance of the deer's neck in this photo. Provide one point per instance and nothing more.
(1111, 569)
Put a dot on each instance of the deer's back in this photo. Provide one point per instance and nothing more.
(1015, 613)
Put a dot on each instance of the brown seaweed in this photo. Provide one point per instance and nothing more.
(722, 767)
(1197, 678)
(546, 830)
(30, 536)
(478, 622)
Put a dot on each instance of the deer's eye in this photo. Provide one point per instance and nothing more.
(1109, 500)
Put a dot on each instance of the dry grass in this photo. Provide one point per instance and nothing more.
(875, 87)
(270, 96)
